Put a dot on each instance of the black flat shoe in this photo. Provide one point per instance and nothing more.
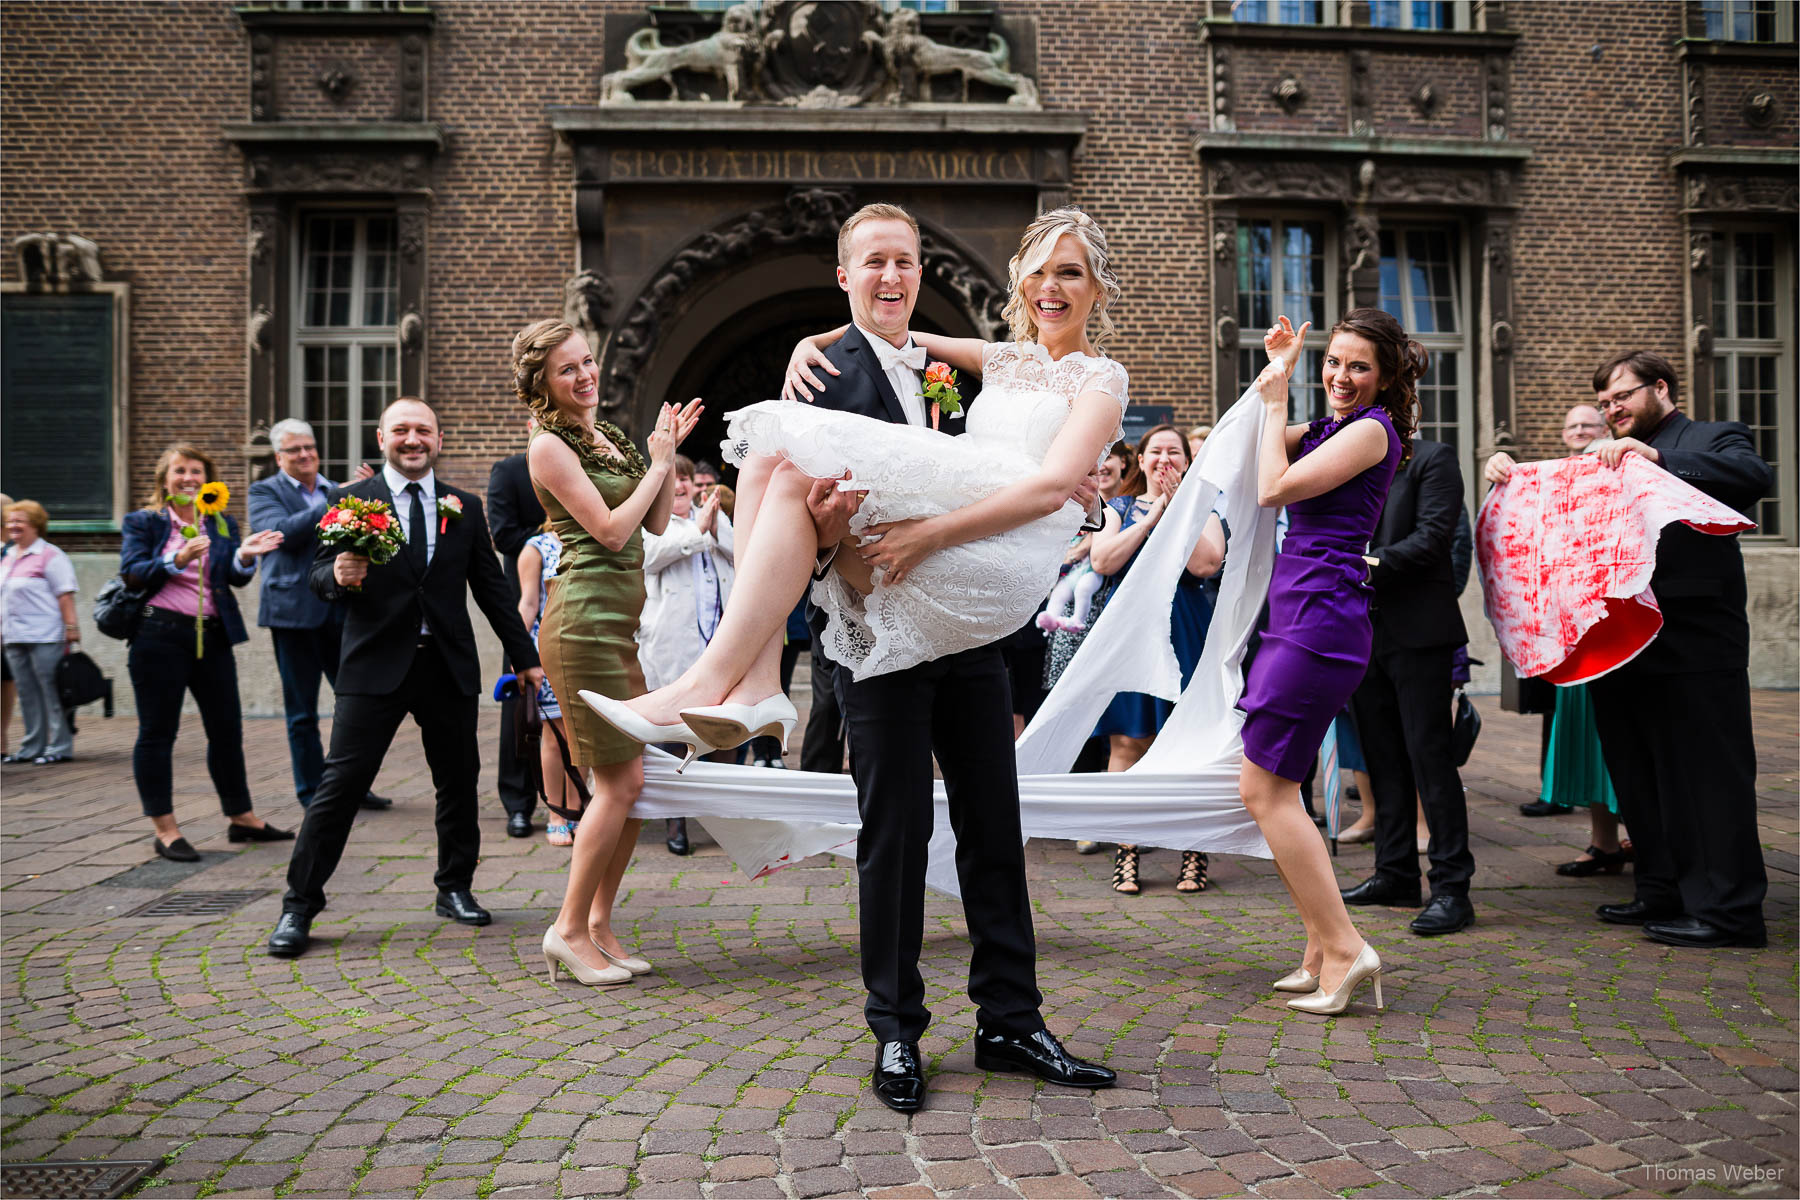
(1384, 889)
(677, 841)
(518, 825)
(1635, 912)
(460, 907)
(291, 937)
(1041, 1055)
(1445, 914)
(1702, 935)
(376, 803)
(176, 851)
(1537, 808)
(898, 1077)
(1597, 862)
(258, 833)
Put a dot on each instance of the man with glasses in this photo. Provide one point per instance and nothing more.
(1674, 722)
(304, 628)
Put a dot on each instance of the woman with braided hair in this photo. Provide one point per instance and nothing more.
(600, 495)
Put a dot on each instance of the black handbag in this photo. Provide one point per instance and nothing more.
(1464, 729)
(119, 608)
(79, 681)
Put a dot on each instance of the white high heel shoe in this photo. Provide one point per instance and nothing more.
(1367, 965)
(1301, 980)
(557, 953)
(631, 962)
(726, 726)
(622, 718)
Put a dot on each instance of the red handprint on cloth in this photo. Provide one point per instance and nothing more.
(1567, 548)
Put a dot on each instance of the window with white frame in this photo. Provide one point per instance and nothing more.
(1749, 20)
(1284, 12)
(1418, 14)
(1284, 268)
(346, 359)
(1422, 286)
(1753, 359)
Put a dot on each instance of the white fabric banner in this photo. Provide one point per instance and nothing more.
(1182, 795)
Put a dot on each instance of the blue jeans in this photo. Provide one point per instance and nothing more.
(163, 668)
(303, 656)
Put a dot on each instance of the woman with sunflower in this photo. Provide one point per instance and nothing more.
(184, 549)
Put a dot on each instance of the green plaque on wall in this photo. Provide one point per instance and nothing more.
(56, 402)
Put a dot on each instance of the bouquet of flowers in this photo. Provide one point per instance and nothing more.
(941, 392)
(366, 527)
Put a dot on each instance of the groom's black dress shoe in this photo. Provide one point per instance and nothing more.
(1445, 914)
(293, 933)
(1702, 935)
(898, 1077)
(1384, 889)
(460, 907)
(1635, 912)
(1039, 1054)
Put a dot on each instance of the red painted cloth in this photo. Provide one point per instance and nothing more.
(1567, 548)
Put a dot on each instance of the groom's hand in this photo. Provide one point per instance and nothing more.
(1087, 494)
(831, 511)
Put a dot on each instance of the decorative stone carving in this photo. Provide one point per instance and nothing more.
(412, 236)
(1222, 92)
(412, 331)
(809, 54)
(1499, 247)
(336, 81)
(1362, 243)
(1760, 109)
(337, 172)
(411, 105)
(809, 218)
(1224, 242)
(1699, 251)
(1696, 103)
(1279, 180)
(1362, 103)
(1702, 336)
(262, 78)
(905, 46)
(1427, 101)
(1743, 193)
(261, 237)
(1500, 337)
(57, 262)
(730, 54)
(1499, 97)
(586, 299)
(1433, 185)
(1289, 94)
(1225, 332)
(256, 333)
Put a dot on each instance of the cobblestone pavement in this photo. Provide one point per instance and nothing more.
(1540, 1053)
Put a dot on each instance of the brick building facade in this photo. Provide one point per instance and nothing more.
(300, 210)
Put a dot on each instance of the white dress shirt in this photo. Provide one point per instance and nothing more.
(403, 510)
(902, 375)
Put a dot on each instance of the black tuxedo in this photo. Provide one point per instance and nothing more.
(1402, 707)
(514, 514)
(1674, 722)
(389, 670)
(960, 708)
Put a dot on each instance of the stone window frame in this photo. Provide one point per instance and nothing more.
(1463, 342)
(1336, 294)
(1696, 21)
(1724, 349)
(1462, 16)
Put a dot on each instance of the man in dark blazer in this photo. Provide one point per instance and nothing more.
(305, 630)
(515, 514)
(1674, 722)
(958, 707)
(408, 649)
(1402, 708)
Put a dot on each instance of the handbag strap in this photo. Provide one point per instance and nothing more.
(573, 775)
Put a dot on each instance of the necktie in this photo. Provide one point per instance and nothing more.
(913, 357)
(415, 528)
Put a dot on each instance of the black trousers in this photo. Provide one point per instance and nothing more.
(513, 779)
(163, 668)
(961, 708)
(1683, 760)
(362, 729)
(822, 749)
(303, 657)
(1402, 715)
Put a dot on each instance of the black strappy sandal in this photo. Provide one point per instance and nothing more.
(1193, 872)
(1597, 862)
(1125, 871)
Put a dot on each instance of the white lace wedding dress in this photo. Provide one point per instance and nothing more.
(963, 596)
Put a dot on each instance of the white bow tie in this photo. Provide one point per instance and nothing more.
(912, 357)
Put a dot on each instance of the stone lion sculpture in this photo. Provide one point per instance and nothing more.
(906, 46)
(729, 54)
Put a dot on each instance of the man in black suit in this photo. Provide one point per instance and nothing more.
(1674, 722)
(408, 648)
(515, 515)
(1402, 708)
(958, 707)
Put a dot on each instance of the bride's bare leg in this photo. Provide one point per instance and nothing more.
(776, 554)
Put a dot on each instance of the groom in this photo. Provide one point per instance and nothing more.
(958, 707)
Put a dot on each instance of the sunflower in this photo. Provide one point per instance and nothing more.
(212, 499)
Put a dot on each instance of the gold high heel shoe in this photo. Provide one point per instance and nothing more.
(632, 963)
(557, 952)
(1367, 965)
(1302, 980)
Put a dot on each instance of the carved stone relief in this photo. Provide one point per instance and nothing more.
(412, 236)
(338, 172)
(586, 299)
(1433, 185)
(1289, 94)
(256, 333)
(412, 78)
(412, 332)
(1746, 193)
(337, 81)
(57, 262)
(1700, 251)
(1225, 332)
(1362, 243)
(1760, 109)
(1500, 337)
(1362, 104)
(1696, 104)
(1224, 242)
(1427, 100)
(262, 78)
(261, 237)
(1703, 339)
(1222, 119)
(1291, 181)
(1499, 247)
(1499, 98)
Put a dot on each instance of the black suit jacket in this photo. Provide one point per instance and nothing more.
(1415, 584)
(381, 626)
(513, 509)
(1699, 579)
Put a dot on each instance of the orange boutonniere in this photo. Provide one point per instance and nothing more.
(449, 509)
(940, 392)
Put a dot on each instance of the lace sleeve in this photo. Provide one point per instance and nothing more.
(1109, 377)
(995, 355)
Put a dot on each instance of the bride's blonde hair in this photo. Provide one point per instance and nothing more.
(1035, 249)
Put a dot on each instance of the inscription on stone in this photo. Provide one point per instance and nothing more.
(56, 402)
(822, 166)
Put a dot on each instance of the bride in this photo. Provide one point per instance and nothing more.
(958, 539)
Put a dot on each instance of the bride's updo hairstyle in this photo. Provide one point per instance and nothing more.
(1035, 249)
(1401, 362)
(530, 348)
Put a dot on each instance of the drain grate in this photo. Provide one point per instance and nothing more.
(197, 904)
(84, 1179)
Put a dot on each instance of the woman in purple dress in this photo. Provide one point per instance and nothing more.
(1333, 477)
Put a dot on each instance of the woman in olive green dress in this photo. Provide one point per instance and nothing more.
(600, 494)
